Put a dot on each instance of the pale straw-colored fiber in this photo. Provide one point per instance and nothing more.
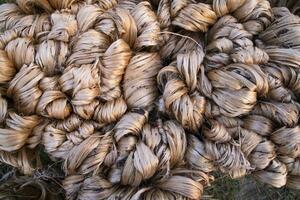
(146, 99)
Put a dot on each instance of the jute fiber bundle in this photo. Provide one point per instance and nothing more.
(145, 99)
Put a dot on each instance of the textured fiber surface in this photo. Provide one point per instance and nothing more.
(149, 99)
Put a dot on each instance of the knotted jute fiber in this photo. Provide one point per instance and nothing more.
(146, 99)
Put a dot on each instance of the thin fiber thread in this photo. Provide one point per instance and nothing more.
(144, 99)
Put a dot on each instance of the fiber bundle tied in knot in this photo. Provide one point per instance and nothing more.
(147, 99)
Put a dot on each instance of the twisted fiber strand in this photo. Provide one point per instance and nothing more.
(144, 99)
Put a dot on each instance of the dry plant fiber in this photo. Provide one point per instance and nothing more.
(145, 99)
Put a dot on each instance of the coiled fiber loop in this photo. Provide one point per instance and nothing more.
(145, 99)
